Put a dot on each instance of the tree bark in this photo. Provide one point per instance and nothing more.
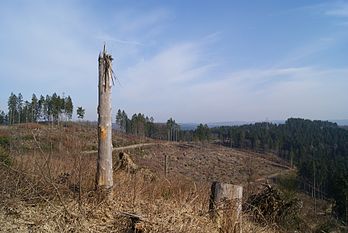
(104, 178)
(226, 207)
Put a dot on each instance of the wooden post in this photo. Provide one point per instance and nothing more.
(104, 179)
(226, 207)
(165, 164)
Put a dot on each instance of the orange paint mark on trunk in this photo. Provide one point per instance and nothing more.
(102, 133)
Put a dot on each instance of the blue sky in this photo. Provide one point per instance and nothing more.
(195, 61)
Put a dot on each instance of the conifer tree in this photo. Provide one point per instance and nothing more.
(80, 113)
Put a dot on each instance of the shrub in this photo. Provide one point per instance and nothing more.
(272, 205)
(4, 157)
(4, 142)
(288, 183)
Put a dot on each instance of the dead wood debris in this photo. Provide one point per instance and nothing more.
(271, 206)
(126, 163)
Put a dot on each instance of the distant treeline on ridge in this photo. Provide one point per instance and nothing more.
(52, 108)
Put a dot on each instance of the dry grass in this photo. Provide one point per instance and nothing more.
(43, 204)
(50, 187)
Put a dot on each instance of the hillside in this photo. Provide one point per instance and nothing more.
(47, 182)
(317, 148)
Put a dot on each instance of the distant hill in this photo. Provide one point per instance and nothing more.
(341, 122)
(192, 126)
(188, 126)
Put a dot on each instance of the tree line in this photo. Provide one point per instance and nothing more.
(138, 124)
(141, 125)
(319, 150)
(50, 108)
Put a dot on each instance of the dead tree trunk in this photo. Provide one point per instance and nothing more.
(104, 179)
(226, 207)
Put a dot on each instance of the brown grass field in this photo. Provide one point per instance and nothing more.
(48, 185)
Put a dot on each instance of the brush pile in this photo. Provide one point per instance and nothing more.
(125, 163)
(271, 206)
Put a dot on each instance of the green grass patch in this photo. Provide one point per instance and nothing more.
(288, 183)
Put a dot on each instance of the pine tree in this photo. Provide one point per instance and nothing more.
(125, 122)
(61, 108)
(69, 107)
(55, 107)
(26, 112)
(35, 108)
(2, 117)
(80, 113)
(12, 109)
(134, 125)
(47, 108)
(172, 130)
(20, 107)
(41, 104)
(119, 119)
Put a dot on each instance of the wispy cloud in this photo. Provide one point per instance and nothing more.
(338, 9)
(110, 39)
(334, 9)
(308, 49)
(173, 66)
(176, 80)
(273, 94)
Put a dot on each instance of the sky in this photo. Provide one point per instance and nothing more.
(194, 61)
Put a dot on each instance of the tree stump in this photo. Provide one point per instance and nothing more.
(226, 207)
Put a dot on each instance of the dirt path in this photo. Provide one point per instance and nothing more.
(212, 163)
(129, 147)
(274, 175)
